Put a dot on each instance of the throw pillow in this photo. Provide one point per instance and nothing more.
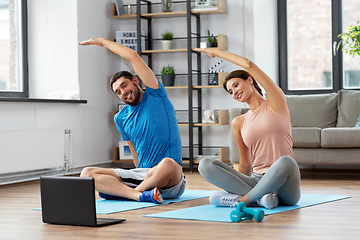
(357, 125)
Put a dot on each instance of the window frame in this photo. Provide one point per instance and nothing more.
(337, 56)
(24, 75)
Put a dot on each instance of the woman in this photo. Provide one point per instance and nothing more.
(268, 172)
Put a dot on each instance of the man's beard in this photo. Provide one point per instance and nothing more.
(136, 97)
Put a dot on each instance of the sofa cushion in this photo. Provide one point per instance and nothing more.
(348, 108)
(327, 156)
(306, 137)
(340, 138)
(313, 110)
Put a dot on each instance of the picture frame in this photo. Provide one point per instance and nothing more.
(124, 151)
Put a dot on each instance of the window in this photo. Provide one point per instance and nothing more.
(351, 66)
(308, 37)
(13, 48)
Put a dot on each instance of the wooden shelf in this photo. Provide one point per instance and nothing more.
(124, 16)
(221, 8)
(221, 79)
(146, 15)
(164, 51)
(222, 45)
(150, 15)
(177, 87)
(164, 15)
(223, 120)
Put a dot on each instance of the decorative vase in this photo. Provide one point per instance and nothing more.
(166, 44)
(168, 79)
(166, 5)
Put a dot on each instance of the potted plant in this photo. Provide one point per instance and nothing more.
(350, 40)
(167, 38)
(212, 41)
(168, 75)
(166, 5)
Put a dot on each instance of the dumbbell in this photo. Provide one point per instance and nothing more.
(258, 214)
(237, 216)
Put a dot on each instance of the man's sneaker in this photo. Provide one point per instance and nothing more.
(269, 201)
(151, 196)
(224, 199)
(111, 197)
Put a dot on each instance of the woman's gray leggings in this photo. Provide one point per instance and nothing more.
(283, 178)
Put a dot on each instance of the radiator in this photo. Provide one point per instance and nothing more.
(29, 150)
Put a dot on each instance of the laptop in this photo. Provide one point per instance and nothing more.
(70, 201)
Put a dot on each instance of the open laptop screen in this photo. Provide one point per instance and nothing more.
(69, 200)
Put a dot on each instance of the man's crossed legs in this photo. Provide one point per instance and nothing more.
(166, 176)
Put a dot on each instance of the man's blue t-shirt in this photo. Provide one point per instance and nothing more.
(152, 127)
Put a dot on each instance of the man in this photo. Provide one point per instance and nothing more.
(148, 123)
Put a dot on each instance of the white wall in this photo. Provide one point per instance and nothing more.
(55, 28)
(266, 38)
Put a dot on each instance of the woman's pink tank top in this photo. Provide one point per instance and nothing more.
(267, 135)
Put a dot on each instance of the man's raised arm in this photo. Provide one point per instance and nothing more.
(142, 70)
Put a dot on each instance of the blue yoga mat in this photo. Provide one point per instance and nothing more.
(222, 214)
(113, 206)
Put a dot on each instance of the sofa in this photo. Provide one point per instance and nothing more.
(323, 128)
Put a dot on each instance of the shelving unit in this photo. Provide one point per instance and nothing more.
(164, 51)
(190, 13)
(220, 8)
(222, 45)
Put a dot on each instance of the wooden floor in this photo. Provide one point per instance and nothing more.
(335, 220)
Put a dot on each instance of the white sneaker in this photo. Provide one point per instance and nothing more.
(224, 199)
(269, 201)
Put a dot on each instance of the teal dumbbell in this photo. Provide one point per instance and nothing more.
(258, 214)
(237, 216)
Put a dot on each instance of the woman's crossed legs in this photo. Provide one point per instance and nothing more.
(282, 178)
